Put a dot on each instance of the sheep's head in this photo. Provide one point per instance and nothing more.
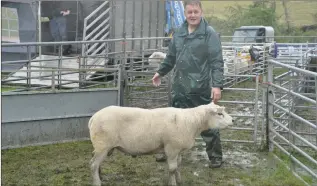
(157, 57)
(218, 118)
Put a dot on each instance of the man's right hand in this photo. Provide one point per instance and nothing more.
(156, 80)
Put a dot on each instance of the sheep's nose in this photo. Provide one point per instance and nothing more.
(232, 120)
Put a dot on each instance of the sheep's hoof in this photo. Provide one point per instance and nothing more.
(178, 178)
(96, 183)
(133, 156)
(172, 184)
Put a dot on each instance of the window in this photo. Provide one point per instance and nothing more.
(9, 25)
(244, 36)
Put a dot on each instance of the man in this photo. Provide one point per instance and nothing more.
(58, 23)
(195, 52)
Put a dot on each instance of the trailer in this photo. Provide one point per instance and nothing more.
(253, 34)
(101, 20)
(137, 19)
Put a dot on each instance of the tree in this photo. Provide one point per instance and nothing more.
(286, 13)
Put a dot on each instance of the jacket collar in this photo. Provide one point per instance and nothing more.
(201, 29)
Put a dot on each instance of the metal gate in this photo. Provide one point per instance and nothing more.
(140, 92)
(292, 119)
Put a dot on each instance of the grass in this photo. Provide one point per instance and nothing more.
(279, 70)
(300, 11)
(68, 164)
(301, 158)
(278, 176)
(7, 89)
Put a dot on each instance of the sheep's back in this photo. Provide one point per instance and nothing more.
(132, 127)
(134, 119)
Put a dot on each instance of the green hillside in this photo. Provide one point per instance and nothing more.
(301, 12)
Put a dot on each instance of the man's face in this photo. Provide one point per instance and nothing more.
(193, 14)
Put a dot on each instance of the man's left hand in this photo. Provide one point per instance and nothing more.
(216, 94)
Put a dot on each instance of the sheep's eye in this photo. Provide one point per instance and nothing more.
(220, 114)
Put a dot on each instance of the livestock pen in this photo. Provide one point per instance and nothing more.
(47, 142)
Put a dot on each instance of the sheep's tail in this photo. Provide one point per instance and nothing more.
(90, 122)
(89, 127)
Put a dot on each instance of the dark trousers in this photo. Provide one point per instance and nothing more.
(58, 29)
(210, 136)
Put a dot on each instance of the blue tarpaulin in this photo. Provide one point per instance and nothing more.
(174, 14)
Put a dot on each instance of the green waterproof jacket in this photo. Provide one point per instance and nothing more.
(197, 58)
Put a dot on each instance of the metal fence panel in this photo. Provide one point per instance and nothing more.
(41, 132)
(39, 118)
(37, 106)
(292, 118)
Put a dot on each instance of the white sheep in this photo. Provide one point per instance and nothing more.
(156, 58)
(242, 64)
(236, 64)
(138, 131)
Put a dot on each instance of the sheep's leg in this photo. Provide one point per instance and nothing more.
(178, 174)
(95, 166)
(172, 157)
(99, 171)
(99, 167)
(172, 166)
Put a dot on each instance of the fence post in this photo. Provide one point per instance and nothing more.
(291, 127)
(269, 110)
(264, 103)
(122, 85)
(301, 54)
(59, 77)
(81, 61)
(142, 53)
(53, 79)
(316, 105)
(28, 67)
(256, 109)
(119, 85)
(234, 65)
(125, 80)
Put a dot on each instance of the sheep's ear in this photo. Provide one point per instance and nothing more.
(213, 110)
(212, 104)
(220, 109)
(216, 110)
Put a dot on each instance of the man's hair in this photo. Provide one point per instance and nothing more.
(192, 2)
